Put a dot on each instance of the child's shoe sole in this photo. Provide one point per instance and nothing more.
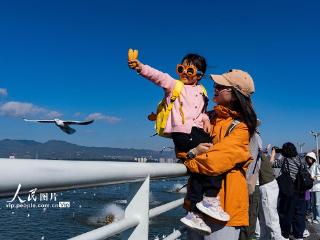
(192, 226)
(209, 213)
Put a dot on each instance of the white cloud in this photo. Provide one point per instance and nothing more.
(3, 92)
(53, 114)
(22, 109)
(102, 117)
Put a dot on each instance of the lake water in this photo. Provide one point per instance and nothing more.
(88, 208)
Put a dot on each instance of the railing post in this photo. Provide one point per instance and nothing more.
(138, 207)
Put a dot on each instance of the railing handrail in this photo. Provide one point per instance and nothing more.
(126, 223)
(109, 230)
(59, 175)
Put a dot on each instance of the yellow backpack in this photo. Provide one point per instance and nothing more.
(164, 109)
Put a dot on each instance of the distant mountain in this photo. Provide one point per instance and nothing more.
(55, 149)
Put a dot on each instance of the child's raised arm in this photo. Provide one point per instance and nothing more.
(163, 80)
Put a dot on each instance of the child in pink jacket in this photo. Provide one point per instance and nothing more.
(188, 128)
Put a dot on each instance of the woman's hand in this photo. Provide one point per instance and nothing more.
(273, 154)
(135, 64)
(268, 147)
(201, 148)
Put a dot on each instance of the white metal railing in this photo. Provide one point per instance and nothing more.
(59, 175)
(175, 234)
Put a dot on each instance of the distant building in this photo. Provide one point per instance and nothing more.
(171, 160)
(140, 159)
(167, 160)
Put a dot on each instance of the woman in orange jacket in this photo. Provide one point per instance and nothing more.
(229, 153)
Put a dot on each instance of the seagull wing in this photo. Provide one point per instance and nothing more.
(40, 121)
(79, 122)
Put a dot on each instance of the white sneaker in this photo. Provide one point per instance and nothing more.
(211, 207)
(306, 233)
(195, 222)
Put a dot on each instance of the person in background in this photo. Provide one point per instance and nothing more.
(314, 169)
(307, 198)
(252, 174)
(291, 209)
(269, 191)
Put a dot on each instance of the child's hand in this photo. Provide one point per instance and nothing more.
(135, 65)
(133, 61)
(207, 127)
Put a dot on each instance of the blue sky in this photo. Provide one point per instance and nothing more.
(68, 59)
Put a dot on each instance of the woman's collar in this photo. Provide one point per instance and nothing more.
(224, 112)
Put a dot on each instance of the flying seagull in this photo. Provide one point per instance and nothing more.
(63, 125)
